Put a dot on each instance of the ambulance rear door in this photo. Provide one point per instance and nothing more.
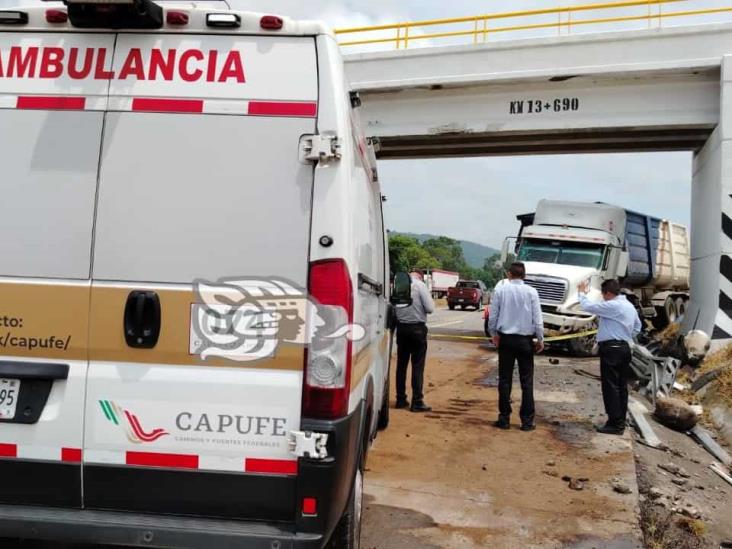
(200, 184)
(50, 133)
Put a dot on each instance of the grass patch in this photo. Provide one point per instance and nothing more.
(663, 529)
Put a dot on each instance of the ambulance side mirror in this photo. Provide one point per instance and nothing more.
(401, 295)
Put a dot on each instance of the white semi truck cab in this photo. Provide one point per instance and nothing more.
(565, 243)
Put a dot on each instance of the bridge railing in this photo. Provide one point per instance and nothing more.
(481, 28)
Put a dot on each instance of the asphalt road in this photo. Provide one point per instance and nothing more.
(457, 322)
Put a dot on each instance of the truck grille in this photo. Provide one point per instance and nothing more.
(551, 290)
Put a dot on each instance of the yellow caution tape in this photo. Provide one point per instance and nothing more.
(570, 336)
(546, 339)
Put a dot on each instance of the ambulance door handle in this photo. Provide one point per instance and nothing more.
(142, 319)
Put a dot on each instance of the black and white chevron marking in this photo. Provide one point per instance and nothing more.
(723, 320)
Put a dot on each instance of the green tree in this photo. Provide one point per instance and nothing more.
(448, 252)
(407, 253)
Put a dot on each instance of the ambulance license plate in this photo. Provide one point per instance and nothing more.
(9, 391)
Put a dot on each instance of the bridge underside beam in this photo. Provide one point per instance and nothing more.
(577, 141)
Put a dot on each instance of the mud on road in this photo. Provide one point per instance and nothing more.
(450, 479)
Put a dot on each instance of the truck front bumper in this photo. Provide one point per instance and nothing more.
(566, 324)
(136, 530)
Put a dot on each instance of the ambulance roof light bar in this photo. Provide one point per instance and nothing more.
(115, 14)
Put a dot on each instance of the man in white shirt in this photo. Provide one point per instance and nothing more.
(412, 343)
(619, 324)
(515, 319)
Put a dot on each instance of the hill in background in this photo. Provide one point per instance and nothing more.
(475, 254)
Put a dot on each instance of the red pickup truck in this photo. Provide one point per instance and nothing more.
(467, 293)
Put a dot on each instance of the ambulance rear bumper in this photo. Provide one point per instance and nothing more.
(135, 530)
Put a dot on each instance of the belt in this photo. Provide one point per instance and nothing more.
(516, 335)
(411, 324)
(614, 343)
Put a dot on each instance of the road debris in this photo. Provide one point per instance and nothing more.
(674, 469)
(638, 414)
(620, 487)
(677, 414)
(701, 435)
(721, 472)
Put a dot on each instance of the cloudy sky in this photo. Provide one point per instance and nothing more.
(477, 198)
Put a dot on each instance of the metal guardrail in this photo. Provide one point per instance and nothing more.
(482, 26)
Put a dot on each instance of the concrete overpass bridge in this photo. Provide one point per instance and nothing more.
(646, 90)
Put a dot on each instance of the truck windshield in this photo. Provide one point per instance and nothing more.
(564, 253)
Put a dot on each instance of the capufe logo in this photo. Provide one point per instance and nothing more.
(130, 423)
(189, 65)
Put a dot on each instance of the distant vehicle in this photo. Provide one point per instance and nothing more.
(467, 293)
(566, 243)
(439, 281)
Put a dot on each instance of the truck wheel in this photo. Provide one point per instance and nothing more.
(451, 306)
(669, 308)
(680, 308)
(347, 534)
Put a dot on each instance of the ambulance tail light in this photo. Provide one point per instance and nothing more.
(271, 22)
(326, 387)
(56, 16)
(115, 14)
(176, 18)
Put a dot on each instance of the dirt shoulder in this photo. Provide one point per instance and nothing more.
(449, 479)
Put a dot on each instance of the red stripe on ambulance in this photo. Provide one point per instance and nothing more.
(71, 455)
(271, 466)
(51, 103)
(9, 450)
(307, 109)
(167, 105)
(173, 461)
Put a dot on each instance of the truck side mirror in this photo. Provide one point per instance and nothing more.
(402, 294)
(506, 248)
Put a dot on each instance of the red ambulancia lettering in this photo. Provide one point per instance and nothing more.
(20, 64)
(80, 74)
(233, 68)
(166, 66)
(51, 63)
(133, 65)
(189, 65)
(211, 71)
(183, 68)
(99, 72)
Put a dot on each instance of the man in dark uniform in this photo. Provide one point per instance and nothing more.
(412, 343)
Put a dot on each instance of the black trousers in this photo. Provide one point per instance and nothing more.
(615, 359)
(512, 349)
(411, 344)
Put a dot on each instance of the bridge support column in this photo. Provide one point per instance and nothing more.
(711, 226)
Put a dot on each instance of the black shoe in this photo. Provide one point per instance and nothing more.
(609, 430)
(528, 427)
(420, 407)
(502, 424)
(402, 403)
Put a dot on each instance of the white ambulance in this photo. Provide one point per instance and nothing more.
(186, 198)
